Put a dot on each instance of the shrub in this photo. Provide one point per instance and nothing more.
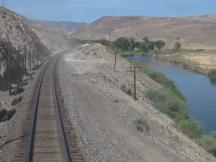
(169, 103)
(103, 42)
(164, 81)
(191, 128)
(177, 45)
(208, 142)
(142, 125)
(212, 75)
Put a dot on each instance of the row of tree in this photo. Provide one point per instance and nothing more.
(130, 44)
(126, 44)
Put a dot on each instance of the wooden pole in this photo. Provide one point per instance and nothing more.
(115, 61)
(2, 8)
(108, 42)
(25, 52)
(9, 69)
(135, 97)
(30, 59)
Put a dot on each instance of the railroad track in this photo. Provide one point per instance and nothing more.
(52, 137)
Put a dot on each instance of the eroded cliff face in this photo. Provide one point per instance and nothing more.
(21, 49)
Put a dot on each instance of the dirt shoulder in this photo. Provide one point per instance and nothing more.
(200, 62)
(110, 124)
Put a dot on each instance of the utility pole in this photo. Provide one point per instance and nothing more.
(135, 97)
(30, 61)
(33, 58)
(108, 43)
(109, 40)
(115, 61)
(25, 56)
(3, 9)
(9, 68)
(130, 65)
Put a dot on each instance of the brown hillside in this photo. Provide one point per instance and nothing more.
(194, 31)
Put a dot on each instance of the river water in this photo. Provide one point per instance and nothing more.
(197, 89)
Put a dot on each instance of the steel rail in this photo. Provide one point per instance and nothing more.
(59, 116)
(57, 110)
(34, 114)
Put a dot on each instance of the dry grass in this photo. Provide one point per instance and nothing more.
(208, 60)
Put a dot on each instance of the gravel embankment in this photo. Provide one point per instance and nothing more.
(110, 124)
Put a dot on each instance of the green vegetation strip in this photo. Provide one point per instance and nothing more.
(170, 101)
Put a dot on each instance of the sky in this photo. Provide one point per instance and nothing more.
(90, 10)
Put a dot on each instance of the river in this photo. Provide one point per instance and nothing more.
(199, 92)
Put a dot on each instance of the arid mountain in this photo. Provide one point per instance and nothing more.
(53, 39)
(63, 26)
(194, 31)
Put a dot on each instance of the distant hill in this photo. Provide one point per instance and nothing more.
(64, 26)
(194, 31)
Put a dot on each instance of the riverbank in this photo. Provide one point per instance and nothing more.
(196, 88)
(199, 61)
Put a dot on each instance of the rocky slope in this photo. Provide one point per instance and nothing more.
(194, 31)
(20, 46)
(25, 44)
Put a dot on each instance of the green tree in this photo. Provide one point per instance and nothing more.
(137, 45)
(142, 46)
(177, 44)
(122, 43)
(131, 43)
(146, 39)
(125, 43)
(150, 45)
(160, 44)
